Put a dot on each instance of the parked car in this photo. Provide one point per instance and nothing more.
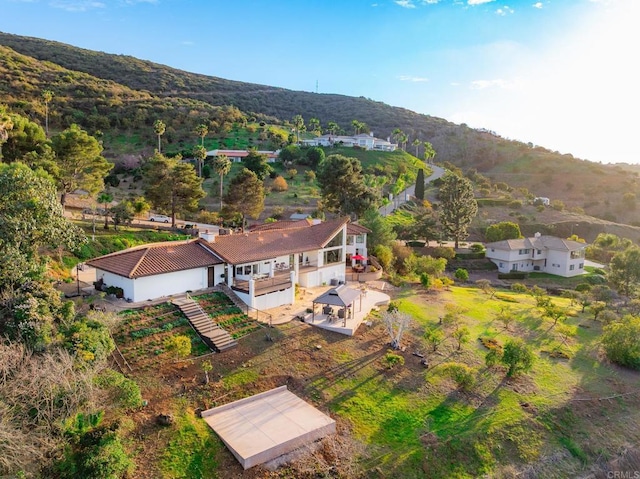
(160, 218)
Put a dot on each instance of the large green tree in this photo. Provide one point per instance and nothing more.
(245, 195)
(257, 162)
(624, 271)
(458, 206)
(31, 218)
(222, 165)
(79, 162)
(381, 231)
(621, 341)
(502, 231)
(343, 187)
(172, 185)
(26, 142)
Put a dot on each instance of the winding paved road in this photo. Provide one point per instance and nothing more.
(404, 196)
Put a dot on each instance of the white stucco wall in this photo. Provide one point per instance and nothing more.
(152, 287)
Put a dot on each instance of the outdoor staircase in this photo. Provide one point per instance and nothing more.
(204, 325)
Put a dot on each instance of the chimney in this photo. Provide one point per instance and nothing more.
(208, 236)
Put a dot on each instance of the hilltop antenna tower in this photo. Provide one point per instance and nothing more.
(316, 86)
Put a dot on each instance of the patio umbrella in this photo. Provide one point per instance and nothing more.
(358, 257)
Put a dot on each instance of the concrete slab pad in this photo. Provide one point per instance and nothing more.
(262, 427)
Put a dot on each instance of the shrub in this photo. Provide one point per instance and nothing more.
(477, 248)
(461, 274)
(445, 252)
(583, 287)
(124, 391)
(518, 288)
(292, 172)
(596, 279)
(425, 281)
(280, 184)
(493, 357)
(515, 204)
(392, 359)
(621, 342)
(517, 356)
(463, 375)
(310, 175)
(179, 345)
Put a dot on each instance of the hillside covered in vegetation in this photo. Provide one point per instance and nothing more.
(120, 97)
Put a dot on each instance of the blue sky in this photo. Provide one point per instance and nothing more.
(557, 73)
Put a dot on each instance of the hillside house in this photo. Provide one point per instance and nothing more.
(236, 156)
(547, 254)
(261, 266)
(363, 140)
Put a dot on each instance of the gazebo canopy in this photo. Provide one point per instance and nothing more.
(340, 296)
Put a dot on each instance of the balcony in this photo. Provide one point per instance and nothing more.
(263, 286)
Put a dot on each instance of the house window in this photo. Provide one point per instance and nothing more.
(577, 254)
(572, 267)
(539, 251)
(360, 239)
(581, 266)
(333, 256)
(350, 240)
(523, 251)
(335, 241)
(493, 250)
(500, 265)
(247, 269)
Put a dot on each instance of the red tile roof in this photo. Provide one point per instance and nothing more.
(282, 225)
(261, 245)
(157, 258)
(356, 229)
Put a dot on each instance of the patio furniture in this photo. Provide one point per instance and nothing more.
(358, 268)
(341, 313)
(327, 310)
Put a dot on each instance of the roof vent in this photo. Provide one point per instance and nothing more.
(537, 235)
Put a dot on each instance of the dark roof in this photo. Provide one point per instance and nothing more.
(538, 242)
(356, 229)
(260, 245)
(282, 225)
(157, 258)
(340, 296)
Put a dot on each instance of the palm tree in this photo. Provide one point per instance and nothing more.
(429, 152)
(105, 198)
(200, 154)
(222, 165)
(159, 128)
(396, 135)
(202, 130)
(403, 139)
(416, 143)
(6, 124)
(357, 126)
(314, 125)
(298, 124)
(47, 96)
(332, 127)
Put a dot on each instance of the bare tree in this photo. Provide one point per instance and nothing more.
(396, 324)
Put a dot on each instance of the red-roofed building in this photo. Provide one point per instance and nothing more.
(262, 266)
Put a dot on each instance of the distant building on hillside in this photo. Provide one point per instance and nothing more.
(237, 156)
(363, 140)
(541, 200)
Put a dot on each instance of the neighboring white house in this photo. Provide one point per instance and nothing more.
(262, 266)
(541, 200)
(236, 156)
(548, 254)
(363, 140)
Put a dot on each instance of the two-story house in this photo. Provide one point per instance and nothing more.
(548, 254)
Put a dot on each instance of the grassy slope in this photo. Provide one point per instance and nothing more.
(471, 434)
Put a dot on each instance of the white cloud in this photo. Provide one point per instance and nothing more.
(77, 5)
(479, 2)
(187, 42)
(537, 5)
(504, 11)
(497, 83)
(412, 78)
(405, 3)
